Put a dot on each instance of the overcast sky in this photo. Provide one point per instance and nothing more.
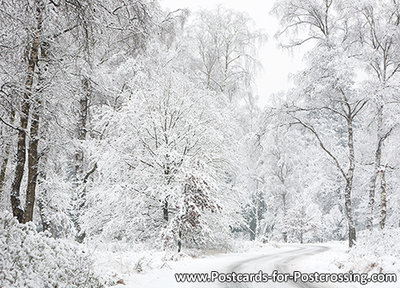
(277, 63)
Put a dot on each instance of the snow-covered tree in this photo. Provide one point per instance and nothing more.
(226, 46)
(166, 143)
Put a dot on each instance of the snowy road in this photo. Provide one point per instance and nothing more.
(284, 262)
(285, 259)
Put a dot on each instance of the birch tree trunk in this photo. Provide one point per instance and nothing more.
(382, 221)
(377, 164)
(349, 114)
(349, 183)
(24, 117)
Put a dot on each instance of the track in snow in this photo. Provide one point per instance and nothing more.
(278, 261)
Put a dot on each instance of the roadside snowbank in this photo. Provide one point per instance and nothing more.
(130, 265)
(376, 252)
(372, 254)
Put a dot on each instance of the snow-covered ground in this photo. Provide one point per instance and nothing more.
(338, 259)
(157, 269)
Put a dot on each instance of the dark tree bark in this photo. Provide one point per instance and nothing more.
(33, 164)
(24, 117)
(253, 226)
(33, 155)
(167, 175)
(179, 241)
(284, 235)
(165, 210)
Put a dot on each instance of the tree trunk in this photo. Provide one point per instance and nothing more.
(284, 233)
(33, 156)
(79, 158)
(24, 117)
(38, 176)
(42, 213)
(79, 198)
(349, 213)
(82, 129)
(179, 241)
(167, 172)
(383, 198)
(348, 177)
(349, 183)
(258, 207)
(377, 164)
(33, 164)
(165, 210)
(42, 205)
(253, 226)
(19, 169)
(371, 202)
(83, 109)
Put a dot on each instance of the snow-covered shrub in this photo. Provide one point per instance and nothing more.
(376, 251)
(31, 259)
(191, 226)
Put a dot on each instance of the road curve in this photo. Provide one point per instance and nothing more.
(280, 261)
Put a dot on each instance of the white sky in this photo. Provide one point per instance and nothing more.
(277, 63)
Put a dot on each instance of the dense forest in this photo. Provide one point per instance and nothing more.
(122, 121)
